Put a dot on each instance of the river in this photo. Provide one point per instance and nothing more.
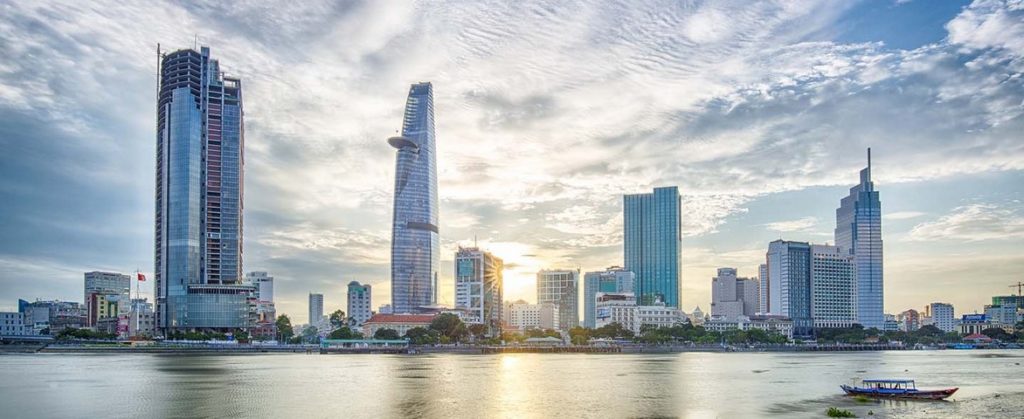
(697, 385)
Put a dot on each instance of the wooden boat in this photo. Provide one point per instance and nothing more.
(899, 389)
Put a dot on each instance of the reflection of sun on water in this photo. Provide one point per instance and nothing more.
(513, 379)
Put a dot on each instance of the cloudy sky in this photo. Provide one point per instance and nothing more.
(546, 114)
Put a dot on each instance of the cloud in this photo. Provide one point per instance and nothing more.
(903, 215)
(802, 224)
(975, 222)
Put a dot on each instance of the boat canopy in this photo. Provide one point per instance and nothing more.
(889, 381)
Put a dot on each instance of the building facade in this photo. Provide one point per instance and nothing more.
(561, 287)
(612, 280)
(909, 320)
(199, 161)
(789, 283)
(400, 323)
(1004, 314)
(769, 323)
(415, 240)
(859, 232)
(316, 309)
(833, 287)
(762, 282)
(622, 308)
(359, 303)
(651, 244)
(732, 297)
(266, 311)
(522, 315)
(103, 289)
(12, 324)
(478, 287)
(942, 316)
(51, 316)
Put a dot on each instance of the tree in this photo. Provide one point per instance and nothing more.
(337, 319)
(579, 335)
(996, 333)
(422, 336)
(449, 326)
(479, 331)
(386, 334)
(342, 333)
(284, 327)
(612, 330)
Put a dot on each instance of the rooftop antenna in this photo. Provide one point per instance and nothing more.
(474, 240)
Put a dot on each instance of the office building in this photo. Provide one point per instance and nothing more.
(12, 324)
(859, 232)
(762, 287)
(789, 283)
(612, 280)
(1008, 300)
(316, 309)
(359, 303)
(833, 287)
(415, 243)
(385, 309)
(732, 297)
(478, 287)
(50, 317)
(561, 287)
(522, 315)
(107, 292)
(199, 161)
(651, 243)
(942, 316)
(622, 308)
(1006, 314)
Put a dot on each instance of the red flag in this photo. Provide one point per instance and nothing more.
(141, 276)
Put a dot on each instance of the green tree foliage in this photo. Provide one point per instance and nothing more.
(71, 333)
(311, 335)
(998, 334)
(612, 331)
(579, 335)
(423, 336)
(284, 327)
(541, 333)
(337, 319)
(344, 333)
(450, 328)
(478, 331)
(685, 332)
(386, 334)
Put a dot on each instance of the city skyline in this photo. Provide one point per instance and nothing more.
(540, 138)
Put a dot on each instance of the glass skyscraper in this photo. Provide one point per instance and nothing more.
(651, 244)
(199, 158)
(859, 232)
(611, 280)
(415, 243)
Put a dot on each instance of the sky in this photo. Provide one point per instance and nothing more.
(546, 113)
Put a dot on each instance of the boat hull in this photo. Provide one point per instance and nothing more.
(900, 393)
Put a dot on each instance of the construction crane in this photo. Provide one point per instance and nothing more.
(1019, 286)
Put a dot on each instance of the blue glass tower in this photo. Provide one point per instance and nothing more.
(415, 243)
(651, 244)
(199, 158)
(859, 231)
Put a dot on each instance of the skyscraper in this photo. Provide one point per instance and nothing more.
(199, 159)
(612, 280)
(833, 287)
(651, 245)
(415, 244)
(859, 232)
(478, 287)
(316, 308)
(561, 287)
(789, 283)
(359, 303)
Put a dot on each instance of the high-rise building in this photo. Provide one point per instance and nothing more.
(478, 287)
(612, 280)
(415, 243)
(762, 287)
(316, 308)
(263, 283)
(652, 239)
(859, 232)
(106, 294)
(561, 287)
(833, 287)
(789, 283)
(199, 160)
(732, 297)
(942, 316)
(359, 299)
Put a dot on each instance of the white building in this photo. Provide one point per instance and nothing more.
(106, 295)
(941, 315)
(1003, 314)
(263, 283)
(732, 297)
(12, 324)
(385, 309)
(833, 287)
(522, 315)
(400, 323)
(770, 323)
(621, 308)
(478, 287)
(561, 287)
(762, 286)
(359, 297)
(697, 317)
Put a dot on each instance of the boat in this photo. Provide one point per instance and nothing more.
(898, 389)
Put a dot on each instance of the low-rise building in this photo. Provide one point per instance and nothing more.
(909, 320)
(941, 315)
(976, 323)
(400, 323)
(52, 316)
(1005, 314)
(621, 308)
(12, 324)
(522, 315)
(359, 297)
(769, 323)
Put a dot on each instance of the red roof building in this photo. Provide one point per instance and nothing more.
(978, 338)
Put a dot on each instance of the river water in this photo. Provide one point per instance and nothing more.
(697, 385)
